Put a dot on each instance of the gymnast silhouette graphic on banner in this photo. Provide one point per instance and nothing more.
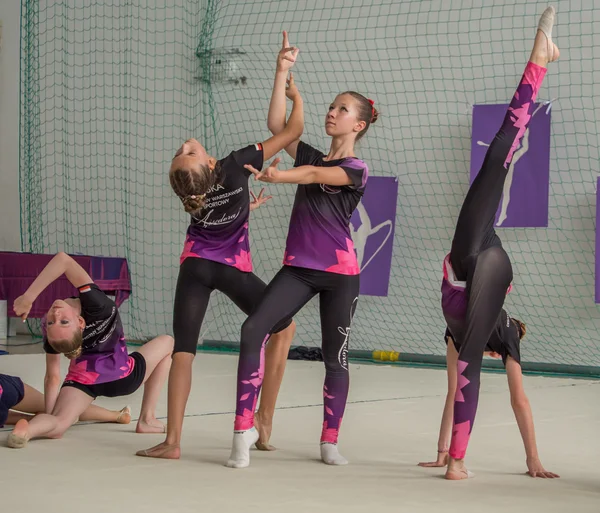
(525, 196)
(372, 229)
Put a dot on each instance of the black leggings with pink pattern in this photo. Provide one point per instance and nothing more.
(287, 293)
(477, 257)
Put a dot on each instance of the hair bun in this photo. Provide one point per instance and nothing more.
(521, 327)
(193, 203)
(375, 116)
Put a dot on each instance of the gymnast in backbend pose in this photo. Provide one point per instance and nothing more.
(504, 342)
(216, 256)
(88, 330)
(478, 272)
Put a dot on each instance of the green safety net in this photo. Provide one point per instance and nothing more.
(109, 90)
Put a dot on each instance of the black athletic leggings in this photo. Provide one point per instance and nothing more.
(198, 277)
(478, 258)
(287, 293)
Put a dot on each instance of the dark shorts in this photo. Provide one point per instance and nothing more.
(118, 388)
(12, 392)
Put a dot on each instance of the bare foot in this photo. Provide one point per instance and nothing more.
(163, 451)
(544, 50)
(457, 470)
(150, 426)
(124, 416)
(20, 435)
(264, 433)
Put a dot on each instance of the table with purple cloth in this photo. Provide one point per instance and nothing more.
(18, 270)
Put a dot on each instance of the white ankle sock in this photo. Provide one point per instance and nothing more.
(240, 448)
(331, 455)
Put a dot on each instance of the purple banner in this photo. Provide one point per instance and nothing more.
(597, 240)
(372, 228)
(524, 201)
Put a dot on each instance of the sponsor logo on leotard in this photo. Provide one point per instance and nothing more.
(224, 219)
(329, 189)
(103, 329)
(216, 202)
(343, 353)
(215, 188)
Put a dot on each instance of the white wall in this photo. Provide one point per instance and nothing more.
(10, 238)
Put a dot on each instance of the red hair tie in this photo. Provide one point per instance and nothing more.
(372, 108)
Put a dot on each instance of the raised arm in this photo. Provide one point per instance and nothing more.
(277, 108)
(59, 265)
(289, 137)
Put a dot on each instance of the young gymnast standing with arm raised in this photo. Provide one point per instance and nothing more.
(319, 259)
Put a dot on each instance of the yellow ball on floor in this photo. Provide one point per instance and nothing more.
(386, 356)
